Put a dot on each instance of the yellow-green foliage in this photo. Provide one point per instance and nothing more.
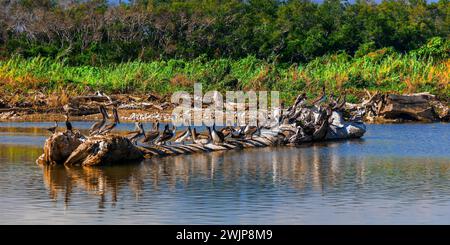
(381, 70)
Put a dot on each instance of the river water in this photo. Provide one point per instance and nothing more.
(395, 174)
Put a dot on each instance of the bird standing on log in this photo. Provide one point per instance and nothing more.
(199, 138)
(107, 128)
(151, 136)
(237, 133)
(217, 136)
(166, 135)
(95, 128)
(249, 131)
(183, 136)
(53, 129)
(226, 131)
(68, 124)
(136, 135)
(321, 98)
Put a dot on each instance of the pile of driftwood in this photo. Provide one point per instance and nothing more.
(87, 105)
(422, 107)
(303, 122)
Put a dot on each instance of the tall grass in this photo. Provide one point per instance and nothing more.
(379, 70)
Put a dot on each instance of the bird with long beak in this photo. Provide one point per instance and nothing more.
(136, 135)
(152, 135)
(166, 135)
(107, 128)
(68, 124)
(217, 136)
(322, 97)
(226, 131)
(249, 131)
(95, 128)
(53, 129)
(199, 138)
(237, 133)
(183, 136)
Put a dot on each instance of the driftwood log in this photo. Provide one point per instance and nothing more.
(299, 124)
(410, 107)
(59, 147)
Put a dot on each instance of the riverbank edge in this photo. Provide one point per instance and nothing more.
(135, 107)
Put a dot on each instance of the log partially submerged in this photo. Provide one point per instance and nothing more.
(59, 147)
(96, 150)
(299, 124)
(409, 107)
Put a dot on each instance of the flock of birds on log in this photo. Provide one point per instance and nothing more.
(298, 123)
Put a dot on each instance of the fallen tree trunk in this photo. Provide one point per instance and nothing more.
(101, 150)
(59, 147)
(410, 107)
(301, 124)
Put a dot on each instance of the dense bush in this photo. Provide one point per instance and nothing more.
(97, 33)
(380, 70)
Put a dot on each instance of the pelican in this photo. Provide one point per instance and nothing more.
(107, 128)
(321, 98)
(166, 135)
(249, 131)
(152, 135)
(237, 133)
(199, 138)
(217, 136)
(95, 128)
(134, 136)
(181, 137)
(53, 129)
(227, 131)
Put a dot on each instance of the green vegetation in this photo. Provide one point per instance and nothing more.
(163, 46)
(380, 70)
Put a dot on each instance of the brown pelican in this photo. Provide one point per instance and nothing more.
(226, 131)
(134, 136)
(199, 138)
(152, 135)
(217, 136)
(300, 100)
(181, 137)
(166, 135)
(340, 104)
(95, 128)
(321, 98)
(249, 131)
(107, 128)
(237, 133)
(68, 124)
(53, 129)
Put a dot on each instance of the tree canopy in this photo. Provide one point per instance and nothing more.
(97, 33)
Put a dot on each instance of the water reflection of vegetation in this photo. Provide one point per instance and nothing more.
(316, 169)
(19, 154)
(23, 130)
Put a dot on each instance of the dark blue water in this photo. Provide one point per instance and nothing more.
(396, 174)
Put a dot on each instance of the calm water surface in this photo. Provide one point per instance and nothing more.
(396, 174)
